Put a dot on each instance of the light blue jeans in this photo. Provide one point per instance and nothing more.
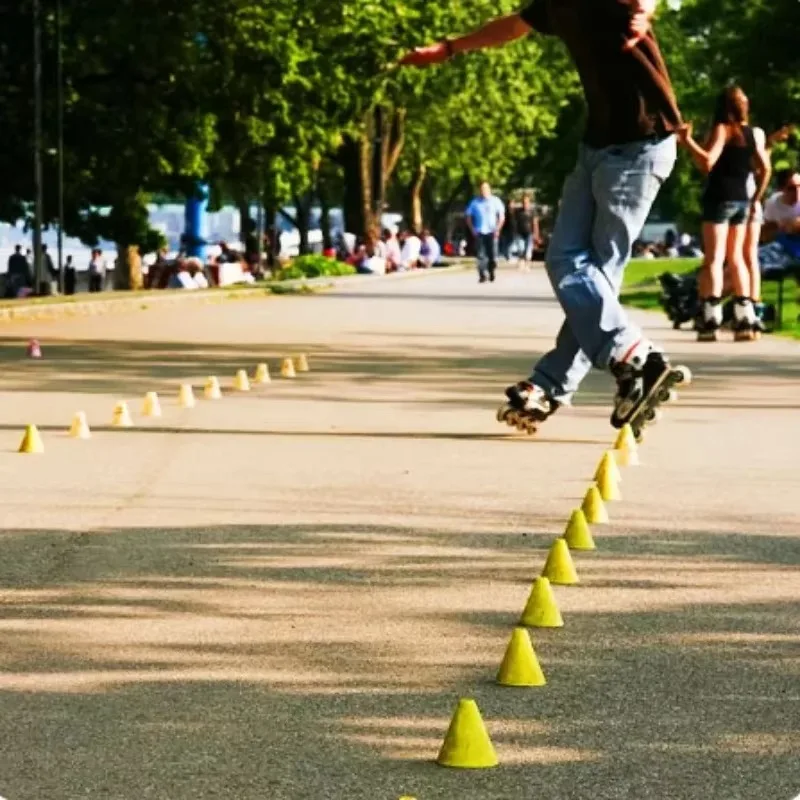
(604, 206)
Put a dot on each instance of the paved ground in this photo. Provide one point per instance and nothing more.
(283, 594)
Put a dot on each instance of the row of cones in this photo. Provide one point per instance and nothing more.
(467, 744)
(151, 406)
(289, 366)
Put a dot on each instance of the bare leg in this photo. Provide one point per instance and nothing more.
(740, 277)
(714, 245)
(751, 240)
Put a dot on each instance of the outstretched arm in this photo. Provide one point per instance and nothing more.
(492, 34)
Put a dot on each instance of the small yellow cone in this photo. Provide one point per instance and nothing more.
(262, 374)
(626, 450)
(608, 488)
(80, 427)
(287, 368)
(31, 441)
(121, 417)
(577, 535)
(520, 666)
(151, 406)
(624, 437)
(559, 568)
(241, 382)
(608, 465)
(212, 390)
(593, 507)
(541, 610)
(186, 396)
(467, 744)
(301, 363)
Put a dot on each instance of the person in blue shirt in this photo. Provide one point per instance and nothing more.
(485, 217)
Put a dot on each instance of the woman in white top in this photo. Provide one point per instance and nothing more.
(756, 218)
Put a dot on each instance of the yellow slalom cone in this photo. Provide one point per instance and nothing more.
(608, 465)
(301, 363)
(520, 666)
(541, 610)
(626, 450)
(121, 417)
(559, 568)
(608, 488)
(80, 427)
(31, 441)
(186, 396)
(262, 374)
(467, 744)
(212, 390)
(577, 535)
(593, 507)
(241, 382)
(287, 368)
(151, 406)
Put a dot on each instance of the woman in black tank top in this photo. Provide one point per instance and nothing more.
(731, 154)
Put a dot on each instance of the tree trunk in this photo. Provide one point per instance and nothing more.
(244, 219)
(415, 198)
(128, 270)
(302, 220)
(366, 155)
(349, 157)
(324, 216)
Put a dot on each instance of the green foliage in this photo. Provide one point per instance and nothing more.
(272, 99)
(314, 266)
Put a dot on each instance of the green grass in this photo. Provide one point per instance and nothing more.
(642, 290)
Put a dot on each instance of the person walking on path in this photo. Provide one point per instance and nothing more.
(628, 151)
(733, 152)
(485, 217)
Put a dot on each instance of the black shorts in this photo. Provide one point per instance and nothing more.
(734, 212)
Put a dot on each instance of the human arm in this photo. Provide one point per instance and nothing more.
(781, 135)
(494, 33)
(762, 166)
(642, 13)
(705, 159)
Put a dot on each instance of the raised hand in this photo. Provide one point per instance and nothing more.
(641, 12)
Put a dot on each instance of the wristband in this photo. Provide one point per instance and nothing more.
(448, 46)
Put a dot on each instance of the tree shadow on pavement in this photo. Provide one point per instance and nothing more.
(323, 661)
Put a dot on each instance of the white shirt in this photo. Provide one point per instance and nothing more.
(409, 255)
(775, 210)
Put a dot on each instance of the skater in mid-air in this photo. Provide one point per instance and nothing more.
(628, 151)
(733, 153)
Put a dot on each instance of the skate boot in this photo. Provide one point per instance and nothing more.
(744, 320)
(709, 320)
(528, 406)
(758, 326)
(645, 380)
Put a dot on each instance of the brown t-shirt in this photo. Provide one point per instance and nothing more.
(629, 94)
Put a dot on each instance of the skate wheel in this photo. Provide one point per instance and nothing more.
(652, 415)
(531, 427)
(502, 413)
(684, 376)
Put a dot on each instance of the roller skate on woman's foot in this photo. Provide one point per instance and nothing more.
(745, 323)
(645, 380)
(709, 320)
(527, 407)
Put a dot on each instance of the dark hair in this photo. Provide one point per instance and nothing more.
(782, 177)
(731, 107)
